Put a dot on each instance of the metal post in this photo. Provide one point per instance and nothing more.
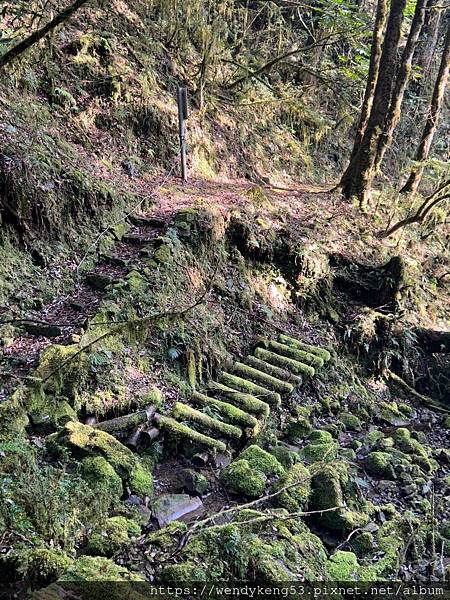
(182, 116)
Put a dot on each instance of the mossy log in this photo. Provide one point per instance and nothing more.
(259, 377)
(244, 401)
(295, 366)
(184, 431)
(244, 385)
(298, 355)
(289, 341)
(273, 370)
(184, 412)
(231, 413)
(127, 421)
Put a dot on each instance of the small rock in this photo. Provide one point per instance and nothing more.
(193, 482)
(98, 281)
(172, 507)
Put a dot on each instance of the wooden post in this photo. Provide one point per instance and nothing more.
(182, 116)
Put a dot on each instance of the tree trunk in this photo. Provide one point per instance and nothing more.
(429, 130)
(372, 77)
(359, 175)
(429, 36)
(127, 421)
(401, 83)
(40, 33)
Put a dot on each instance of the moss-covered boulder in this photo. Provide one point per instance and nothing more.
(82, 440)
(186, 571)
(328, 486)
(141, 481)
(321, 447)
(97, 569)
(199, 226)
(285, 456)
(41, 566)
(262, 461)
(298, 428)
(111, 536)
(240, 478)
(97, 471)
(379, 464)
(298, 482)
(351, 422)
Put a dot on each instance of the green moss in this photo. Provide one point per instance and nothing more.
(83, 440)
(166, 538)
(163, 254)
(111, 536)
(344, 566)
(63, 413)
(240, 478)
(136, 283)
(187, 571)
(363, 543)
(273, 370)
(379, 465)
(141, 481)
(260, 378)
(299, 355)
(97, 471)
(311, 349)
(245, 401)
(298, 368)
(43, 565)
(262, 461)
(228, 411)
(96, 569)
(298, 428)
(296, 497)
(350, 421)
(243, 385)
(319, 436)
(184, 412)
(372, 438)
(70, 369)
(285, 456)
(190, 435)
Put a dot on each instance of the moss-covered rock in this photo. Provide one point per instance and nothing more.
(320, 436)
(262, 461)
(351, 422)
(379, 465)
(285, 456)
(296, 497)
(298, 428)
(240, 478)
(112, 535)
(97, 471)
(141, 481)
(186, 571)
(96, 569)
(41, 566)
(83, 440)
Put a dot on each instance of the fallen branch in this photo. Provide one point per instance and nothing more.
(425, 399)
(40, 33)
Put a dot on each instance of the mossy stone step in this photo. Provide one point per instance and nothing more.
(298, 355)
(170, 424)
(244, 385)
(144, 221)
(259, 377)
(231, 413)
(184, 412)
(278, 372)
(289, 341)
(284, 362)
(245, 401)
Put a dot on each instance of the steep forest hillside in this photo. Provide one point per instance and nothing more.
(244, 376)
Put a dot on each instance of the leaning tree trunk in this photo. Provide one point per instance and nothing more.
(372, 77)
(429, 130)
(360, 173)
(401, 83)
